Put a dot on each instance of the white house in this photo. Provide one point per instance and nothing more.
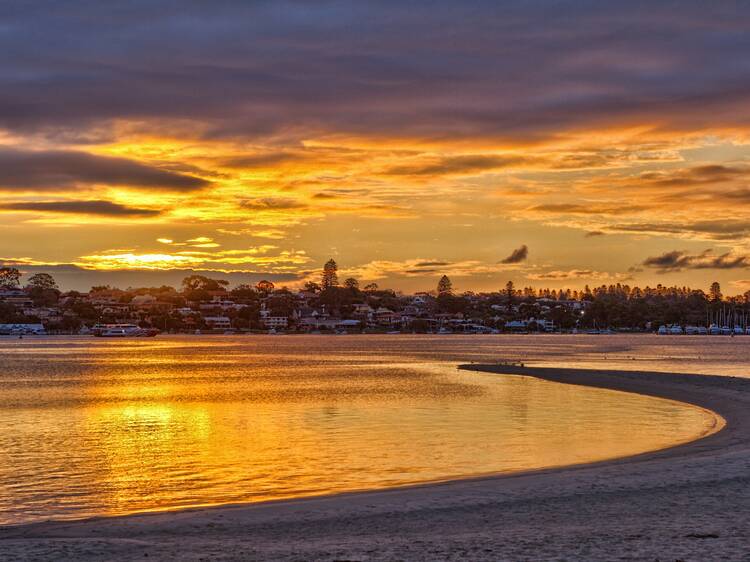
(218, 322)
(275, 322)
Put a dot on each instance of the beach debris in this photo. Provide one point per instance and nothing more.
(509, 363)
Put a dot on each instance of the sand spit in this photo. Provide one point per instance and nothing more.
(690, 502)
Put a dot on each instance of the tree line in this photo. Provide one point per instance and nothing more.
(615, 305)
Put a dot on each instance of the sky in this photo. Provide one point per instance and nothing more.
(555, 144)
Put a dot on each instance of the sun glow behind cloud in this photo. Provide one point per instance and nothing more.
(267, 256)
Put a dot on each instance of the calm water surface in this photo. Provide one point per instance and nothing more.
(95, 426)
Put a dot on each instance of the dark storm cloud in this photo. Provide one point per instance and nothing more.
(51, 170)
(103, 208)
(437, 69)
(518, 255)
(677, 260)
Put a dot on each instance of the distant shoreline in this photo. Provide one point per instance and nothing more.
(690, 501)
(255, 334)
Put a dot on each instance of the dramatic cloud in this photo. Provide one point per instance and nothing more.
(271, 204)
(695, 176)
(455, 165)
(265, 256)
(256, 68)
(677, 260)
(376, 131)
(674, 260)
(518, 255)
(103, 208)
(55, 170)
(729, 229)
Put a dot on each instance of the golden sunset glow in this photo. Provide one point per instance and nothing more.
(374, 280)
(600, 160)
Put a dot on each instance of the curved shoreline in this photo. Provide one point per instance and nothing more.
(671, 503)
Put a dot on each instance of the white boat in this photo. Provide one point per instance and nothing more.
(22, 330)
(726, 331)
(675, 330)
(702, 330)
(714, 330)
(692, 330)
(662, 331)
(738, 331)
(122, 331)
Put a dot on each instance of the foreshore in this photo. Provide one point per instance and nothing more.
(690, 502)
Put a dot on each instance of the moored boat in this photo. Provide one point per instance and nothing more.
(122, 331)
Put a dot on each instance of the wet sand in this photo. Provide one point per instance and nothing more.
(690, 502)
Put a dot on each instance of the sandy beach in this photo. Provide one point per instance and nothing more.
(690, 502)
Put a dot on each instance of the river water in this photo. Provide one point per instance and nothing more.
(92, 426)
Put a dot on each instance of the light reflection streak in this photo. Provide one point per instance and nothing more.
(103, 427)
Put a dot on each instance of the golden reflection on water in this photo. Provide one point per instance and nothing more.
(100, 427)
